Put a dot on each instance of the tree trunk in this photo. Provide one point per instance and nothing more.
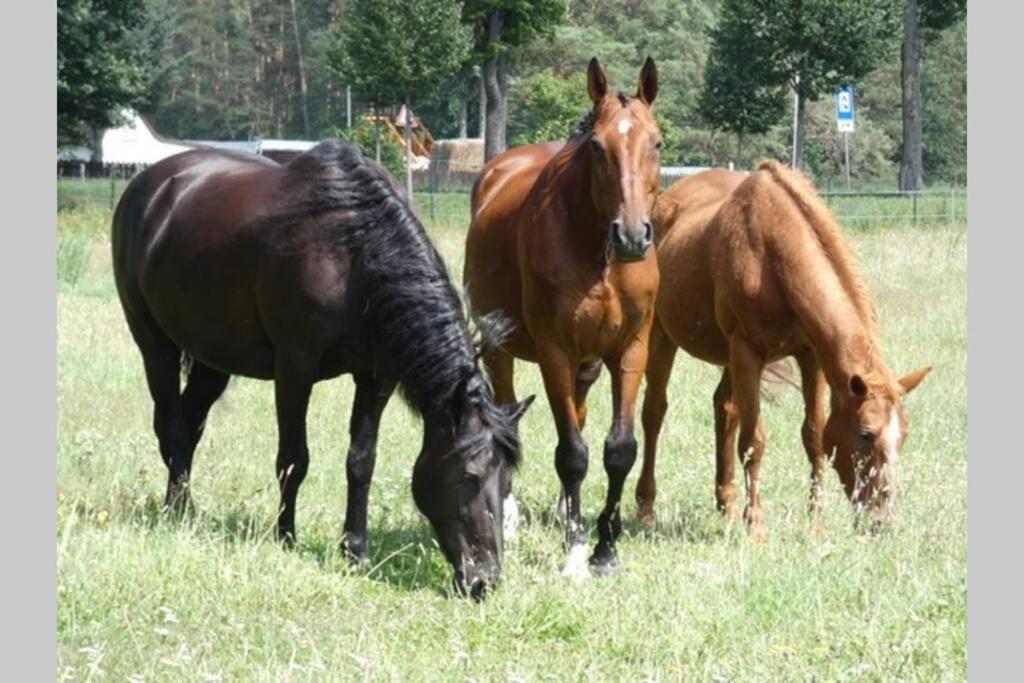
(463, 115)
(408, 150)
(376, 128)
(800, 131)
(911, 167)
(483, 106)
(302, 73)
(496, 81)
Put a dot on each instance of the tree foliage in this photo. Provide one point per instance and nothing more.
(100, 69)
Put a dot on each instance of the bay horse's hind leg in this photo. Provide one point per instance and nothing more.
(746, 369)
(293, 383)
(813, 384)
(371, 399)
(619, 449)
(659, 369)
(726, 425)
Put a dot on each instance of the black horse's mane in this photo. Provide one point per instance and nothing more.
(420, 329)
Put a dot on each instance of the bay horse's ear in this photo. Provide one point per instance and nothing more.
(910, 382)
(647, 87)
(597, 81)
(858, 387)
(517, 410)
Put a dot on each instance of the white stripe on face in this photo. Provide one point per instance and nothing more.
(891, 438)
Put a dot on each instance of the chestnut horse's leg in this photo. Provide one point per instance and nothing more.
(619, 447)
(746, 368)
(571, 457)
(501, 367)
(371, 398)
(659, 369)
(585, 378)
(293, 383)
(726, 424)
(812, 380)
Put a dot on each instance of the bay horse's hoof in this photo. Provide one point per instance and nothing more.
(754, 519)
(604, 562)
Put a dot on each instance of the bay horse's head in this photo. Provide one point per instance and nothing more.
(864, 434)
(463, 477)
(625, 167)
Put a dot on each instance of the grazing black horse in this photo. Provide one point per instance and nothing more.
(299, 273)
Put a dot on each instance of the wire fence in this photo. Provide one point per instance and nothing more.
(441, 194)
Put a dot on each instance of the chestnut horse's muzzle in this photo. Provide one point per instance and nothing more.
(630, 244)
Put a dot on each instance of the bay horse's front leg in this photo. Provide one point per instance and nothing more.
(745, 368)
(571, 457)
(293, 383)
(372, 397)
(659, 369)
(620, 447)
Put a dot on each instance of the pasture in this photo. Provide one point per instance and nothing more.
(215, 598)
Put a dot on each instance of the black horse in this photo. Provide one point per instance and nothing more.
(236, 265)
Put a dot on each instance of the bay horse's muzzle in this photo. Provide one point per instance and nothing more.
(630, 244)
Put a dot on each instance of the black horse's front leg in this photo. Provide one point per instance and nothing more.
(372, 396)
(293, 383)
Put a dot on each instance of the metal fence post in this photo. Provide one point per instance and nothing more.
(915, 208)
(432, 187)
(112, 181)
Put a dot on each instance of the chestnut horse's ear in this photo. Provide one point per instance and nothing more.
(858, 387)
(597, 81)
(647, 88)
(910, 382)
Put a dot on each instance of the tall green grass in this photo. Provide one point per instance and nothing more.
(214, 598)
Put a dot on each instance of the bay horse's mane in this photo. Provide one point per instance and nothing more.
(829, 235)
(419, 326)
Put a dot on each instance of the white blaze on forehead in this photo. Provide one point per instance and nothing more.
(625, 124)
(891, 437)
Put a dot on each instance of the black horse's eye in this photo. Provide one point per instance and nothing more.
(470, 482)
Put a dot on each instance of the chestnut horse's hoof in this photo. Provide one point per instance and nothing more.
(754, 519)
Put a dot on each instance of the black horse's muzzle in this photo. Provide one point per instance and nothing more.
(630, 244)
(477, 581)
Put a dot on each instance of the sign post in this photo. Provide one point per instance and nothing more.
(844, 121)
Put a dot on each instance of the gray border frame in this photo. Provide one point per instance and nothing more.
(994, 289)
(29, 289)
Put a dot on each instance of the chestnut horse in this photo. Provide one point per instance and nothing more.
(298, 274)
(561, 241)
(755, 269)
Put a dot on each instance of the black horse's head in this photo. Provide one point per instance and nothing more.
(462, 477)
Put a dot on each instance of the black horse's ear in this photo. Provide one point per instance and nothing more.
(517, 410)
(647, 87)
(462, 404)
(597, 81)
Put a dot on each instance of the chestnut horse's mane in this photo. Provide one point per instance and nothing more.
(585, 126)
(828, 233)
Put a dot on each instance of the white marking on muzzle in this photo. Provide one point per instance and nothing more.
(510, 525)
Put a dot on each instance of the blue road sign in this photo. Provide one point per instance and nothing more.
(844, 109)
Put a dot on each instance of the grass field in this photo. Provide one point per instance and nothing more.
(215, 599)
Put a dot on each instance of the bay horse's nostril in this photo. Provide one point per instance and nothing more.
(648, 232)
(617, 237)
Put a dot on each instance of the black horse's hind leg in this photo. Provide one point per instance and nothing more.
(293, 383)
(205, 385)
(371, 398)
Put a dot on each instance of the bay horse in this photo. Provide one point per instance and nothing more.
(300, 273)
(755, 269)
(561, 241)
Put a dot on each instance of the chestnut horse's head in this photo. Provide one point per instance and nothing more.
(624, 144)
(863, 436)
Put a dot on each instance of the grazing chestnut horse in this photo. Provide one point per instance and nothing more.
(561, 241)
(301, 273)
(755, 269)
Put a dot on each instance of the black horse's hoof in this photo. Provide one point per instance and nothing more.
(357, 552)
(604, 562)
(286, 538)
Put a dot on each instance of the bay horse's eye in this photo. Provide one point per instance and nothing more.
(867, 436)
(596, 147)
(657, 145)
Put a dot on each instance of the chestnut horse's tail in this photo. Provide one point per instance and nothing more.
(817, 214)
